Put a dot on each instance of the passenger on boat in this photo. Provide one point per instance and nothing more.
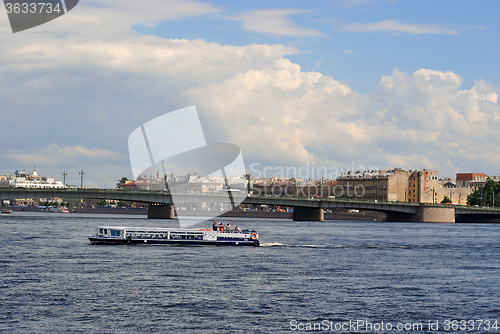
(237, 229)
(214, 226)
(228, 228)
(221, 228)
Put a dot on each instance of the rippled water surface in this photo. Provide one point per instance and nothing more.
(52, 280)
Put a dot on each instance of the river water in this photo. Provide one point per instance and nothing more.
(308, 275)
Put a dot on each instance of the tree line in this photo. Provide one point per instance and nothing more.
(489, 195)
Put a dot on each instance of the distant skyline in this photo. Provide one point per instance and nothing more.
(336, 83)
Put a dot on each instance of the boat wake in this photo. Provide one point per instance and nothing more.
(274, 244)
(277, 244)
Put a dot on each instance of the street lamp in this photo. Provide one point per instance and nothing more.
(321, 185)
(81, 178)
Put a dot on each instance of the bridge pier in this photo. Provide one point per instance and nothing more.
(161, 211)
(425, 214)
(308, 214)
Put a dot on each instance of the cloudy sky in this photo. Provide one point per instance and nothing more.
(334, 83)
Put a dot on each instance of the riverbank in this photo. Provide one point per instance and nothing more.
(364, 215)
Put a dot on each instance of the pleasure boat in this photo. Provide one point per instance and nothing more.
(172, 236)
(6, 211)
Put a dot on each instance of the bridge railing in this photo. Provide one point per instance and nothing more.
(302, 198)
(341, 200)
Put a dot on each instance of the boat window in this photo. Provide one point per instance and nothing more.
(186, 236)
(115, 233)
(178, 236)
(156, 234)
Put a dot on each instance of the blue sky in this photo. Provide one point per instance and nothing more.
(336, 83)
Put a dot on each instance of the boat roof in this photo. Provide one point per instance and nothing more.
(160, 229)
(151, 228)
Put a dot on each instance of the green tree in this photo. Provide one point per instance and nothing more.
(102, 203)
(122, 204)
(52, 203)
(121, 182)
(485, 196)
(445, 200)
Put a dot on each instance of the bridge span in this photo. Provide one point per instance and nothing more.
(160, 204)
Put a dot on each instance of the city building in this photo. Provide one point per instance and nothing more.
(190, 183)
(456, 195)
(423, 186)
(470, 180)
(449, 184)
(418, 186)
(381, 185)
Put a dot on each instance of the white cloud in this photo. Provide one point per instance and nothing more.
(102, 167)
(102, 20)
(399, 26)
(67, 155)
(274, 21)
(282, 115)
(428, 114)
(151, 10)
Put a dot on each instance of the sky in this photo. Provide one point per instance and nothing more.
(337, 84)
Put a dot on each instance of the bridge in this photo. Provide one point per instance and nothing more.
(160, 204)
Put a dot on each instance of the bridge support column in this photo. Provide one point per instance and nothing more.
(308, 214)
(425, 214)
(161, 211)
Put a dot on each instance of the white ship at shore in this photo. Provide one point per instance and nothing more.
(24, 180)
